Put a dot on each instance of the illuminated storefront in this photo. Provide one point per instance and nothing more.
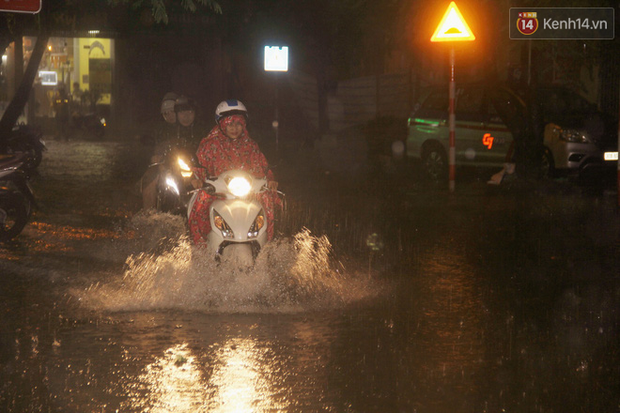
(83, 66)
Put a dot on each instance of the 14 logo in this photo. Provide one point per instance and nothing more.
(527, 23)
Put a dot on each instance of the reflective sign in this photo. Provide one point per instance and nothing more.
(453, 27)
(487, 140)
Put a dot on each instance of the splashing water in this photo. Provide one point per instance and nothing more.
(289, 275)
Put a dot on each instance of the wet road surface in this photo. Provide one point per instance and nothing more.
(382, 294)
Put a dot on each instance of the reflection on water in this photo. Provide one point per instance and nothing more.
(243, 378)
(446, 348)
(52, 238)
(87, 161)
(240, 381)
(173, 383)
(239, 363)
(453, 311)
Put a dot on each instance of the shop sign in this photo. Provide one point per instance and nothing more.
(20, 6)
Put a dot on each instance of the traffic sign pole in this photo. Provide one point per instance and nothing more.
(452, 126)
(452, 28)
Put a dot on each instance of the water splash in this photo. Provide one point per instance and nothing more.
(289, 275)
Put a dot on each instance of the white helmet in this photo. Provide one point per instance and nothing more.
(167, 103)
(230, 107)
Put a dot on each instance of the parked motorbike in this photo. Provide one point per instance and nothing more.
(16, 196)
(89, 125)
(238, 220)
(29, 141)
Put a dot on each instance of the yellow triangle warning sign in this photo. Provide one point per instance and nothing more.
(453, 27)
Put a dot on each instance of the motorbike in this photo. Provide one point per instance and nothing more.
(27, 140)
(16, 197)
(174, 182)
(90, 125)
(238, 220)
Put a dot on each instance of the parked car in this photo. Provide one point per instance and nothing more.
(576, 138)
(485, 116)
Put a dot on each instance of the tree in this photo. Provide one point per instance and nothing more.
(160, 8)
(17, 104)
(13, 30)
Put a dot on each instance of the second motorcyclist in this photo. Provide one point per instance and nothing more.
(229, 146)
(183, 135)
(166, 128)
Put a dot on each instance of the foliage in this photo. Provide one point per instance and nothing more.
(160, 10)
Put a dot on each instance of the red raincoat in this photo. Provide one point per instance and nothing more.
(218, 153)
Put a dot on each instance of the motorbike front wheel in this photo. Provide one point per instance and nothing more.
(14, 214)
(167, 202)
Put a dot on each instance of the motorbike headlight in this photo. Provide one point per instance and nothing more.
(103, 122)
(222, 225)
(239, 186)
(257, 225)
(186, 172)
(572, 135)
(171, 183)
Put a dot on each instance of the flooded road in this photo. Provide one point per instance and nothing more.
(380, 295)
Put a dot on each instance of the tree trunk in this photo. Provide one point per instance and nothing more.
(17, 104)
(19, 60)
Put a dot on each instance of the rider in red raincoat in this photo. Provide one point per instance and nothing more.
(229, 146)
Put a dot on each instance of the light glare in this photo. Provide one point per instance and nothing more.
(276, 58)
(453, 27)
(239, 186)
